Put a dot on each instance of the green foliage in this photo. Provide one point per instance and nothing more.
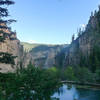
(29, 83)
(83, 74)
(69, 74)
(94, 60)
(5, 80)
(7, 58)
(89, 66)
(97, 76)
(60, 58)
(98, 20)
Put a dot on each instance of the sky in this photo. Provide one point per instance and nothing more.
(50, 21)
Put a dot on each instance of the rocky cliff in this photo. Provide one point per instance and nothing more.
(84, 44)
(42, 55)
(11, 45)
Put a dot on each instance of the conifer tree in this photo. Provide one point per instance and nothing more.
(99, 7)
(3, 14)
(73, 37)
(91, 14)
(79, 32)
(4, 22)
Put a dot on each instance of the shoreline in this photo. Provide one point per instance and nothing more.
(84, 85)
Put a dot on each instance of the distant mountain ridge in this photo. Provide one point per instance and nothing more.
(29, 46)
(42, 55)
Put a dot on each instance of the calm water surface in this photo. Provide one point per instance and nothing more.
(71, 93)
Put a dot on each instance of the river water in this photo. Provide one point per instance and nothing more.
(72, 93)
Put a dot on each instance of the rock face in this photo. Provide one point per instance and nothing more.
(12, 46)
(84, 44)
(43, 56)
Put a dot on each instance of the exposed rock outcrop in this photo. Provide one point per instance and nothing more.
(84, 44)
(12, 46)
(43, 56)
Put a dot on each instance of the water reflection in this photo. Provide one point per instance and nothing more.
(66, 92)
(69, 92)
(86, 94)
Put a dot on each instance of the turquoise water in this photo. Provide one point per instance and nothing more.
(71, 93)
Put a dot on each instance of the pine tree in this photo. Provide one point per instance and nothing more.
(91, 14)
(4, 23)
(3, 14)
(99, 7)
(73, 37)
(79, 32)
